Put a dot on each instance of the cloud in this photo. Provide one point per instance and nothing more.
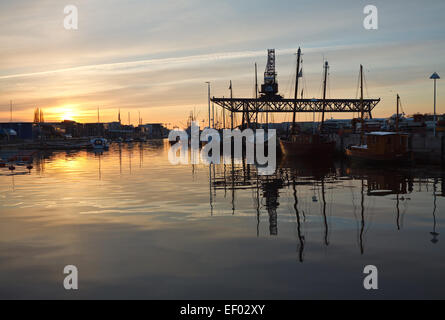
(157, 54)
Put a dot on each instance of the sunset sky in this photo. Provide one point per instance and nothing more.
(155, 56)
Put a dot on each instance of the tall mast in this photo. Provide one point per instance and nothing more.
(208, 93)
(397, 114)
(98, 115)
(256, 96)
(361, 106)
(213, 114)
(326, 67)
(296, 88)
(231, 106)
(10, 111)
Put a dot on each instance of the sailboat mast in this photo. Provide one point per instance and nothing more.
(397, 114)
(231, 106)
(326, 67)
(256, 96)
(361, 106)
(296, 89)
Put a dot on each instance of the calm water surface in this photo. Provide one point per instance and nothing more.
(138, 227)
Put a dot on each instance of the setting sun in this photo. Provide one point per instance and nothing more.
(66, 112)
(68, 115)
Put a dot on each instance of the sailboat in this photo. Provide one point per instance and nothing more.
(315, 144)
(380, 146)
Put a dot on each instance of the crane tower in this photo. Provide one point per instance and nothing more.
(270, 86)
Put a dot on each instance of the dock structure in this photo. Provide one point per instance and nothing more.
(270, 100)
(251, 106)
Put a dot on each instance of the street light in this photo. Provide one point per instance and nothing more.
(435, 76)
(208, 86)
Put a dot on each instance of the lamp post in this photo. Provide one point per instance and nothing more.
(208, 87)
(435, 76)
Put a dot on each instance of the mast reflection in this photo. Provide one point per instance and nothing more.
(319, 177)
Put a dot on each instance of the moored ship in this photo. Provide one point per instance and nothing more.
(382, 147)
(313, 144)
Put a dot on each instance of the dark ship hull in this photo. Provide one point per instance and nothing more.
(308, 146)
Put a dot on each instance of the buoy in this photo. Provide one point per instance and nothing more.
(29, 167)
(11, 167)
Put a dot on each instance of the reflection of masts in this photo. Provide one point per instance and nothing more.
(130, 151)
(141, 155)
(271, 195)
(210, 189)
(398, 211)
(120, 158)
(12, 182)
(297, 213)
(325, 221)
(233, 186)
(100, 166)
(257, 206)
(362, 214)
(434, 233)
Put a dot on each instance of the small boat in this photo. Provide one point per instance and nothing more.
(382, 146)
(99, 143)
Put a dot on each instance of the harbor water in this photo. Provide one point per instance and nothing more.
(137, 226)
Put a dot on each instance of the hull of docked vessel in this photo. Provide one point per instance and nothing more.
(360, 153)
(312, 146)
